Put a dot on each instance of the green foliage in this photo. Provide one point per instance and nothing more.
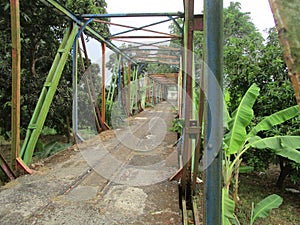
(285, 146)
(228, 206)
(277, 118)
(237, 141)
(80, 7)
(248, 59)
(241, 118)
(177, 125)
(237, 24)
(41, 31)
(161, 68)
(137, 53)
(242, 42)
(48, 131)
(264, 207)
(45, 150)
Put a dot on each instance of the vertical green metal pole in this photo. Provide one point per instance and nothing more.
(128, 89)
(194, 113)
(154, 93)
(103, 46)
(213, 25)
(16, 70)
(179, 89)
(75, 88)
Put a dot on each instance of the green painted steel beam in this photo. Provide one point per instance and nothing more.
(46, 96)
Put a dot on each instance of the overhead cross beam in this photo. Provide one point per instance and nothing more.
(112, 15)
(165, 78)
(143, 28)
(81, 22)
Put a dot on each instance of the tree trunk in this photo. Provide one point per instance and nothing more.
(68, 130)
(285, 170)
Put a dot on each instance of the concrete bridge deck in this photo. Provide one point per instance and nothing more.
(117, 177)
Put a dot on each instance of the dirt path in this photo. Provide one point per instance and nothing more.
(118, 177)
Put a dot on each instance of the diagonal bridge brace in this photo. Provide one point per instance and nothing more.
(42, 108)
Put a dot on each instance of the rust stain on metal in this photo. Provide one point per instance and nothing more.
(164, 78)
(5, 167)
(21, 164)
(16, 71)
(198, 22)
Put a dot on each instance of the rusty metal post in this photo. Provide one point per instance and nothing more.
(188, 70)
(123, 90)
(179, 88)
(16, 70)
(90, 82)
(103, 45)
(154, 93)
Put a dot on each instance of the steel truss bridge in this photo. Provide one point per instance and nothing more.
(128, 69)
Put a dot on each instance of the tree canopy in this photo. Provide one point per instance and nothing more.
(41, 31)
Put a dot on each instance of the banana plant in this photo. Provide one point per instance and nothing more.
(237, 141)
(264, 207)
(261, 210)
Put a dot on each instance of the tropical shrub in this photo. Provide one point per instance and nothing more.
(239, 140)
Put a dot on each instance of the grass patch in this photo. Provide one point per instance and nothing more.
(254, 187)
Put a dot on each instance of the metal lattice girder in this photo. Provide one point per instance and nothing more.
(165, 78)
(286, 14)
(46, 96)
(95, 34)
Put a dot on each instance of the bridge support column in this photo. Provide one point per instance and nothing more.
(188, 97)
(40, 113)
(16, 71)
(103, 46)
(213, 25)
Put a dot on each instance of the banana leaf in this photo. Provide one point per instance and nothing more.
(277, 118)
(289, 153)
(285, 146)
(226, 116)
(241, 118)
(264, 207)
(228, 206)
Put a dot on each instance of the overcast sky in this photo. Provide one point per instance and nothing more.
(259, 9)
(260, 13)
